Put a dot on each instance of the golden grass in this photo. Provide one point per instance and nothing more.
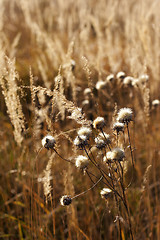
(50, 52)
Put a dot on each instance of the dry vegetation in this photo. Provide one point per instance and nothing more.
(62, 65)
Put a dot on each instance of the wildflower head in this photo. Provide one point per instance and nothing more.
(65, 200)
(102, 140)
(81, 162)
(84, 131)
(48, 142)
(120, 75)
(127, 81)
(125, 115)
(87, 91)
(117, 154)
(100, 85)
(81, 141)
(155, 103)
(110, 78)
(105, 192)
(99, 123)
(118, 127)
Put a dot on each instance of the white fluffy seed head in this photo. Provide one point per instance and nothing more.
(110, 78)
(48, 142)
(155, 103)
(118, 127)
(100, 85)
(81, 162)
(120, 75)
(85, 131)
(128, 80)
(99, 123)
(65, 200)
(144, 78)
(102, 140)
(105, 192)
(109, 156)
(117, 154)
(125, 115)
(80, 141)
(87, 91)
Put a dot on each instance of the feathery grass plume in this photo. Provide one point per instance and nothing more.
(117, 154)
(81, 162)
(47, 179)
(48, 142)
(8, 81)
(125, 115)
(105, 193)
(146, 99)
(65, 200)
(99, 123)
(118, 127)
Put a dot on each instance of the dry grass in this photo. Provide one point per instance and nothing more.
(56, 58)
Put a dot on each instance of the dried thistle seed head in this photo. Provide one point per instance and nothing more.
(48, 142)
(99, 123)
(81, 162)
(135, 82)
(144, 78)
(117, 154)
(128, 81)
(100, 143)
(155, 103)
(120, 75)
(105, 192)
(100, 85)
(81, 141)
(118, 127)
(65, 200)
(110, 78)
(109, 156)
(85, 131)
(87, 91)
(125, 115)
(105, 137)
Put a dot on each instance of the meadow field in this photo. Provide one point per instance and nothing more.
(80, 119)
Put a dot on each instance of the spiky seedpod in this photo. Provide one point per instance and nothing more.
(99, 123)
(118, 127)
(81, 162)
(65, 200)
(105, 192)
(125, 115)
(48, 142)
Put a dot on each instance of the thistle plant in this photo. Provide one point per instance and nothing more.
(110, 171)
